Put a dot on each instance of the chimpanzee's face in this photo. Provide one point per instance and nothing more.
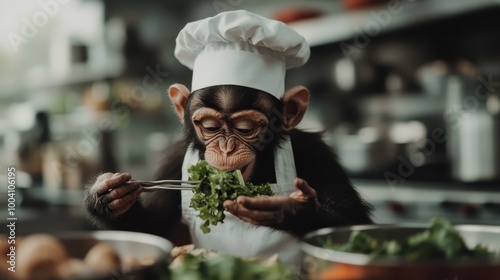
(230, 125)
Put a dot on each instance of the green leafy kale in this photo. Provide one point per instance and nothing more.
(441, 241)
(215, 187)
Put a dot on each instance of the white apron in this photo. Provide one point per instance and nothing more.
(239, 238)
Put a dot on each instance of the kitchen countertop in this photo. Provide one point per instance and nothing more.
(429, 191)
(46, 210)
(419, 202)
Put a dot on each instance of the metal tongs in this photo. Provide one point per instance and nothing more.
(167, 185)
(149, 186)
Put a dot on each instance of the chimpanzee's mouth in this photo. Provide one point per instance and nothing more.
(245, 170)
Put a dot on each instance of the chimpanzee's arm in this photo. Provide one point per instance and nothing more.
(156, 212)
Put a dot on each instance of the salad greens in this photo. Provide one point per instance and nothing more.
(215, 187)
(225, 267)
(441, 241)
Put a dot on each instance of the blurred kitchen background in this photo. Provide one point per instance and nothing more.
(407, 92)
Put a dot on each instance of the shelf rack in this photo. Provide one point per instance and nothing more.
(345, 25)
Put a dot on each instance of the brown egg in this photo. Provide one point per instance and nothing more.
(131, 262)
(4, 245)
(72, 268)
(103, 258)
(38, 257)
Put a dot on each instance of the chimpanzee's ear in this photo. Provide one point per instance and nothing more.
(295, 102)
(179, 95)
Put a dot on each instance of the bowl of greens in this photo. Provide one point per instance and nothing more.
(408, 251)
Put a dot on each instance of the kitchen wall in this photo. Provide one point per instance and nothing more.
(405, 91)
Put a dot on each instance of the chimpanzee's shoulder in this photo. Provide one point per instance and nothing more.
(310, 141)
(311, 145)
(301, 137)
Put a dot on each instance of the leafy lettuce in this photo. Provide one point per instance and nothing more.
(441, 241)
(225, 267)
(215, 187)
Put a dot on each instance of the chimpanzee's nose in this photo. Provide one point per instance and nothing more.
(227, 145)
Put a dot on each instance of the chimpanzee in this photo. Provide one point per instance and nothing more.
(234, 121)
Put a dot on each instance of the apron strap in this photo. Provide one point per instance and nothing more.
(284, 165)
(190, 158)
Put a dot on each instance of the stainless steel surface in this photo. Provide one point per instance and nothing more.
(126, 244)
(475, 149)
(145, 183)
(313, 242)
(325, 264)
(184, 185)
(360, 156)
(474, 132)
(167, 185)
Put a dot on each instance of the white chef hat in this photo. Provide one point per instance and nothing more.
(240, 48)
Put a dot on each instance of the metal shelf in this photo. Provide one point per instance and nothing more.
(343, 26)
(76, 75)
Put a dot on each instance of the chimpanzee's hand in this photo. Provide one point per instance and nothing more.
(276, 210)
(112, 194)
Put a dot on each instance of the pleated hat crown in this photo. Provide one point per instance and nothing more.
(240, 48)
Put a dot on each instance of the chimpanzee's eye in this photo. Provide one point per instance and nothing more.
(212, 129)
(244, 131)
(244, 126)
(211, 125)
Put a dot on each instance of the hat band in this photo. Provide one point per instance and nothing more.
(242, 68)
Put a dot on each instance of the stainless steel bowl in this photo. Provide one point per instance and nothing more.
(126, 244)
(320, 263)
